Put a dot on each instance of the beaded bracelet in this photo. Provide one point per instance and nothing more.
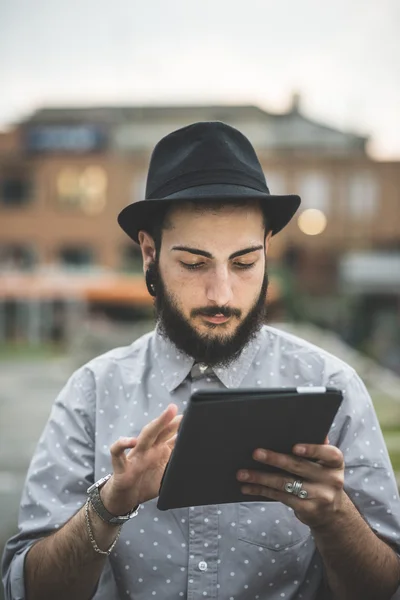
(91, 536)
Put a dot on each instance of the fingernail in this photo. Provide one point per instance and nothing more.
(261, 454)
(243, 475)
(300, 449)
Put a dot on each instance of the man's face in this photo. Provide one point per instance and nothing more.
(211, 280)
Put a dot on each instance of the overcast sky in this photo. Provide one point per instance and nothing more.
(343, 56)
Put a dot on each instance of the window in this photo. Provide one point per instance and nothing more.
(16, 257)
(362, 195)
(82, 189)
(76, 257)
(314, 192)
(132, 259)
(68, 187)
(15, 188)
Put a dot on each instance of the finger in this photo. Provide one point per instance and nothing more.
(169, 430)
(271, 494)
(327, 455)
(123, 443)
(171, 442)
(303, 467)
(152, 430)
(276, 481)
(117, 451)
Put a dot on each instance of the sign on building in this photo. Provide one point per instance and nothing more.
(65, 138)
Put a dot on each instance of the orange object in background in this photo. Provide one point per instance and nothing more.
(89, 287)
(113, 288)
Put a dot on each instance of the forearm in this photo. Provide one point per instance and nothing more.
(357, 563)
(65, 565)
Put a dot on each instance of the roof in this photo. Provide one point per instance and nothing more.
(118, 114)
(139, 127)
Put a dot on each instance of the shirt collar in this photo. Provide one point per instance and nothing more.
(175, 365)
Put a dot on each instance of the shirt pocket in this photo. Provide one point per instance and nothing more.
(271, 525)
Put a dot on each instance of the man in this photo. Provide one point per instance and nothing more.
(204, 231)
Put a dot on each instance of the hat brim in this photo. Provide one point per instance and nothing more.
(139, 216)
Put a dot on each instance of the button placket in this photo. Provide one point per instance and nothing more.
(203, 520)
(203, 552)
(202, 565)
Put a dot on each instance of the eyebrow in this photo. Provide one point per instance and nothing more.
(209, 255)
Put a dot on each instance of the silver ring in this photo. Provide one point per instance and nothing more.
(297, 485)
(295, 488)
(289, 488)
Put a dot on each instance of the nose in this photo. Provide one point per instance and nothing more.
(219, 290)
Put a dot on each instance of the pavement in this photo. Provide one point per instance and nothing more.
(27, 391)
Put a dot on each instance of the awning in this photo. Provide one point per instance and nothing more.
(370, 272)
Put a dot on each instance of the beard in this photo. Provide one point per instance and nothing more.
(212, 350)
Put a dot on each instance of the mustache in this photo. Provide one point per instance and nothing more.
(213, 311)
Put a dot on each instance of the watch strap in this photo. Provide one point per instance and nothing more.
(100, 509)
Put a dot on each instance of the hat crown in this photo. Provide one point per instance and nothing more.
(203, 153)
(205, 161)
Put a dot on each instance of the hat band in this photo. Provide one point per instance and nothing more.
(194, 178)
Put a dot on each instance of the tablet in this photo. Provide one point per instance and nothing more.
(221, 429)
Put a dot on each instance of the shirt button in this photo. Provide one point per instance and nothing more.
(203, 565)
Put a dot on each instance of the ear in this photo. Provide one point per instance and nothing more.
(267, 241)
(148, 249)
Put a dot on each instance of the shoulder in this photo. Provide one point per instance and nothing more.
(332, 369)
(125, 358)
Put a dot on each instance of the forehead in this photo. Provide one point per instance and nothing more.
(227, 224)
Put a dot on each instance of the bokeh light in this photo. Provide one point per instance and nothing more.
(312, 221)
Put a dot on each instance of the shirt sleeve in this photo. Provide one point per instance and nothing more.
(60, 472)
(369, 477)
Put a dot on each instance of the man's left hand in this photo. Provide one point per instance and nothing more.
(323, 480)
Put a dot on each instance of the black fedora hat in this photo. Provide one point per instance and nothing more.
(205, 161)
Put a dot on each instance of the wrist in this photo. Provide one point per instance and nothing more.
(339, 519)
(116, 502)
(97, 520)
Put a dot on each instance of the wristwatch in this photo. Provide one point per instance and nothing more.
(96, 501)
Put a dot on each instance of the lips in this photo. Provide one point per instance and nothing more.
(217, 319)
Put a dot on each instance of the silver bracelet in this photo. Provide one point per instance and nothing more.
(91, 536)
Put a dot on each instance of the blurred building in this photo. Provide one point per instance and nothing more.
(65, 173)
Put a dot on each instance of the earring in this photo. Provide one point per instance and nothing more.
(150, 281)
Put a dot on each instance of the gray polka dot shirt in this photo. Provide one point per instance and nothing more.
(235, 551)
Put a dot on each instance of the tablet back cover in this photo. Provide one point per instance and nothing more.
(220, 431)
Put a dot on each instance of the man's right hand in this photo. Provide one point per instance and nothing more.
(137, 474)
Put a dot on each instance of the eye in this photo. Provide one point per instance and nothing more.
(244, 265)
(191, 266)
